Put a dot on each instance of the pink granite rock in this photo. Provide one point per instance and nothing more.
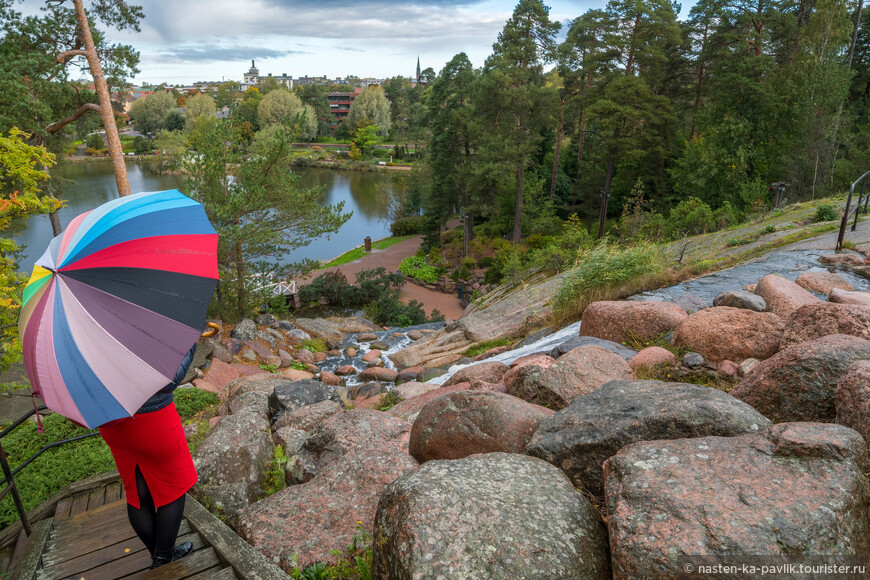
(578, 372)
(621, 321)
(782, 295)
(823, 318)
(371, 355)
(843, 259)
(220, 374)
(329, 378)
(651, 357)
(725, 333)
(852, 398)
(378, 374)
(409, 409)
(485, 371)
(345, 370)
(296, 375)
(467, 422)
(728, 368)
(788, 490)
(822, 282)
(844, 297)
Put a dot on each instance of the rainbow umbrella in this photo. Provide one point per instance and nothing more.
(115, 303)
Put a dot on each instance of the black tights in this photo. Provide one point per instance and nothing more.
(156, 527)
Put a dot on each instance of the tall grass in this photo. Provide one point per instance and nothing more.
(609, 272)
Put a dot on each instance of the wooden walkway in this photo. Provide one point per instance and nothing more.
(90, 538)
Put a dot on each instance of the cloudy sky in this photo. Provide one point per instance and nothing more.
(192, 40)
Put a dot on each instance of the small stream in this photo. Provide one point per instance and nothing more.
(789, 264)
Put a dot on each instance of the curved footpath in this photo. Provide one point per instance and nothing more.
(447, 304)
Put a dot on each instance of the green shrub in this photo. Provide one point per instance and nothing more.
(606, 272)
(825, 213)
(417, 268)
(315, 345)
(387, 310)
(691, 217)
(769, 229)
(410, 226)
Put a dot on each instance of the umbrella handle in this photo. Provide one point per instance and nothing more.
(213, 329)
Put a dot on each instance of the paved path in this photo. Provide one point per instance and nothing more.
(447, 304)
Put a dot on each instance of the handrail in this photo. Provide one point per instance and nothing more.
(9, 474)
(847, 213)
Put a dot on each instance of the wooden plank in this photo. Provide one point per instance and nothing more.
(248, 563)
(62, 510)
(67, 549)
(112, 561)
(113, 492)
(26, 566)
(48, 507)
(216, 573)
(79, 503)
(96, 498)
(197, 562)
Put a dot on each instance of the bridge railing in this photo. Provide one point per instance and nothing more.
(859, 184)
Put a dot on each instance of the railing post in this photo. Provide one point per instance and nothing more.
(7, 472)
(858, 206)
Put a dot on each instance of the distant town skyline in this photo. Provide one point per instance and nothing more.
(215, 40)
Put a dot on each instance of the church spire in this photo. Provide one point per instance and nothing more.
(418, 68)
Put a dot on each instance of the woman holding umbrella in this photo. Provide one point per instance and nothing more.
(151, 452)
(111, 309)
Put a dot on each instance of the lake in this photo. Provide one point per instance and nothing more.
(90, 184)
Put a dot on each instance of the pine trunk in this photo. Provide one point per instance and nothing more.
(106, 113)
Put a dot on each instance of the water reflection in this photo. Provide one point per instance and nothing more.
(88, 185)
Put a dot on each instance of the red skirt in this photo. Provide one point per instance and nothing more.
(156, 443)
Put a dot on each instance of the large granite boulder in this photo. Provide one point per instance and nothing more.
(312, 520)
(579, 372)
(740, 299)
(794, 489)
(577, 341)
(246, 329)
(291, 395)
(842, 259)
(822, 282)
(852, 398)
(596, 426)
(823, 318)
(320, 327)
(378, 374)
(491, 372)
(798, 383)
(845, 297)
(409, 409)
(231, 463)
(468, 422)
(495, 515)
(724, 333)
(345, 433)
(782, 295)
(622, 321)
(308, 417)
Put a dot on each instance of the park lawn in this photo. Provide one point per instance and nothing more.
(359, 252)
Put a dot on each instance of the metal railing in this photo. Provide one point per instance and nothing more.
(9, 474)
(847, 213)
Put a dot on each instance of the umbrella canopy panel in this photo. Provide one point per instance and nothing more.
(115, 302)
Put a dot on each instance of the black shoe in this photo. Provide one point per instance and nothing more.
(177, 553)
